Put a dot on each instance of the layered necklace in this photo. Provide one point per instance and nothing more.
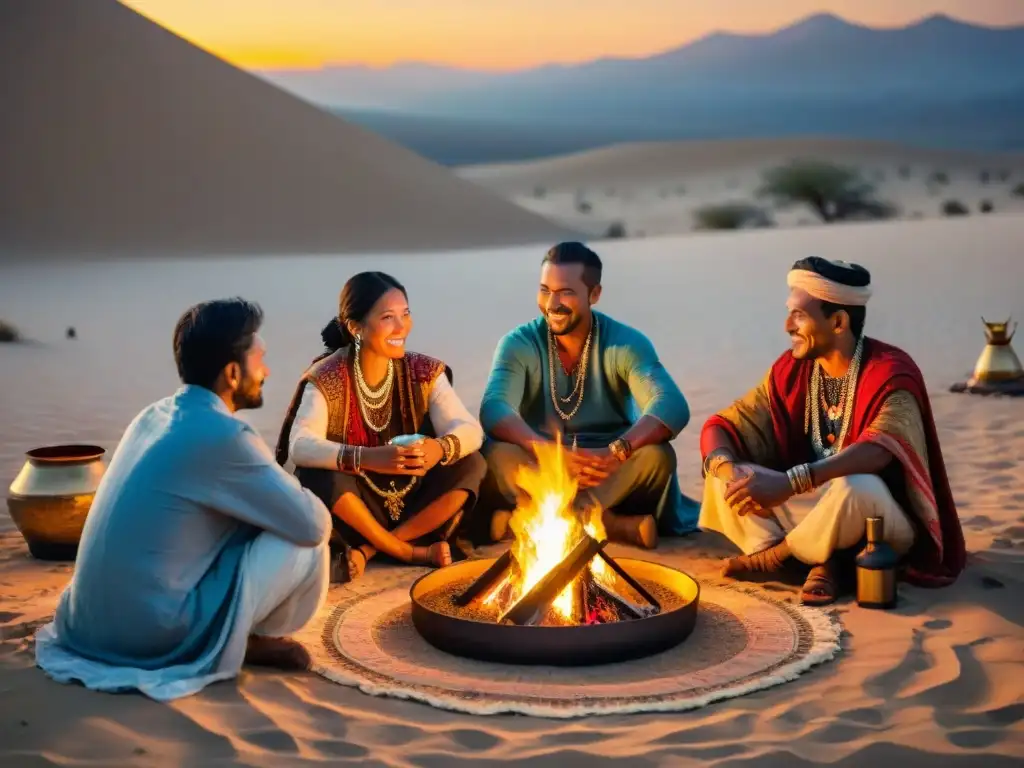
(374, 404)
(375, 407)
(579, 371)
(831, 398)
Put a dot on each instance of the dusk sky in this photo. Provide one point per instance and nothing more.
(505, 34)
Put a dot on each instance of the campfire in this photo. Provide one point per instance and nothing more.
(556, 596)
(557, 572)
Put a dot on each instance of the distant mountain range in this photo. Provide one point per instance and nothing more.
(961, 84)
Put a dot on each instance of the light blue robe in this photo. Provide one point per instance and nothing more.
(196, 536)
(625, 380)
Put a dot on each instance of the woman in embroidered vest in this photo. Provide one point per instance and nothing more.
(403, 498)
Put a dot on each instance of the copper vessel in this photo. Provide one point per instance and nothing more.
(51, 496)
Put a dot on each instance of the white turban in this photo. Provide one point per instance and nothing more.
(831, 291)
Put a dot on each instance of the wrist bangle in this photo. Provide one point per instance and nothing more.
(800, 479)
(339, 459)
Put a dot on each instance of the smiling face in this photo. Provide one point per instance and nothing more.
(812, 333)
(386, 326)
(564, 298)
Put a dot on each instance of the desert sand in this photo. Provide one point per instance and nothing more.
(119, 137)
(937, 682)
(655, 188)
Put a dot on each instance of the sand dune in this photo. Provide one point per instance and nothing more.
(118, 136)
(935, 683)
(655, 188)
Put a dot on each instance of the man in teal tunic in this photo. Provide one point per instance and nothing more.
(600, 385)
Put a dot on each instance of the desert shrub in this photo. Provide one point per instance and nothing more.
(834, 192)
(583, 206)
(939, 177)
(1018, 191)
(539, 192)
(984, 177)
(615, 230)
(986, 206)
(954, 208)
(1003, 175)
(904, 171)
(730, 216)
(680, 190)
(8, 332)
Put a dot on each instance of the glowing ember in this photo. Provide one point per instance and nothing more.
(547, 526)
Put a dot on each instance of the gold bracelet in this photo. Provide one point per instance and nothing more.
(454, 449)
(715, 459)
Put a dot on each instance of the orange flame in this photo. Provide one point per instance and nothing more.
(547, 525)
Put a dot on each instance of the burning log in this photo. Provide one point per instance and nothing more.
(531, 608)
(610, 562)
(485, 580)
(604, 605)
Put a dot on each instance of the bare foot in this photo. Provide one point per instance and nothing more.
(499, 525)
(438, 555)
(278, 652)
(638, 530)
(770, 560)
(356, 563)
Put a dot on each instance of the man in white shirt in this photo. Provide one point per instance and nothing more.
(199, 552)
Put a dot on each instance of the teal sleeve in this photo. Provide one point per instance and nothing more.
(650, 384)
(506, 385)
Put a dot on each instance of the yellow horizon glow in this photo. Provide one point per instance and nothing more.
(515, 34)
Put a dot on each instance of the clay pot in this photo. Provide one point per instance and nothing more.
(51, 496)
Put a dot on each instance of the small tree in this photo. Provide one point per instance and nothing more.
(615, 230)
(834, 192)
(731, 216)
(940, 177)
(954, 208)
(8, 332)
(986, 206)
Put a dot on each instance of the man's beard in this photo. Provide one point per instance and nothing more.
(249, 397)
(570, 326)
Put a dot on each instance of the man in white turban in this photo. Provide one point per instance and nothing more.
(844, 421)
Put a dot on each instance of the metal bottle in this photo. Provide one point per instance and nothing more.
(876, 569)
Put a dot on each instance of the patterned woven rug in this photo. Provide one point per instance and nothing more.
(745, 640)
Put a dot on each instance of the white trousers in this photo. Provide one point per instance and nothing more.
(814, 525)
(281, 587)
